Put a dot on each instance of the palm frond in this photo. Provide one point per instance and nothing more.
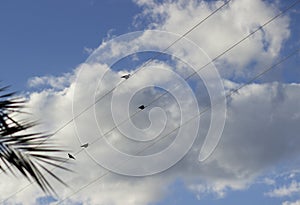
(26, 153)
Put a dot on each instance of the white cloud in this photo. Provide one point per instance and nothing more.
(291, 203)
(223, 29)
(88, 50)
(259, 133)
(248, 146)
(269, 181)
(59, 82)
(283, 191)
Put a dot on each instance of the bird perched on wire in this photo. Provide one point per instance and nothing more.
(85, 145)
(126, 76)
(142, 107)
(71, 156)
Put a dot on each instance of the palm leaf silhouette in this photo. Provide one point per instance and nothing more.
(27, 153)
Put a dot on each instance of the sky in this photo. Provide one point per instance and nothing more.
(63, 55)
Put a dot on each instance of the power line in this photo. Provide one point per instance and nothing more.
(143, 66)
(216, 58)
(146, 63)
(201, 68)
(185, 123)
(32, 182)
(150, 60)
(230, 48)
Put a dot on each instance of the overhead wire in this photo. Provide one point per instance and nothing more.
(110, 91)
(138, 70)
(214, 59)
(228, 95)
(232, 92)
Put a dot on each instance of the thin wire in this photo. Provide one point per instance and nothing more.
(234, 45)
(143, 66)
(147, 62)
(90, 106)
(201, 68)
(185, 123)
(32, 182)
(213, 60)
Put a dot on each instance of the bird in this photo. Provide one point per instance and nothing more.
(142, 107)
(126, 76)
(85, 145)
(71, 156)
(233, 91)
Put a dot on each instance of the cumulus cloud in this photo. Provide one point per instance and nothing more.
(223, 29)
(59, 82)
(248, 146)
(261, 127)
(291, 203)
(283, 191)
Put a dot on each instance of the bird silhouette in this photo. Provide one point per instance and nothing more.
(71, 156)
(85, 145)
(126, 76)
(234, 91)
(142, 107)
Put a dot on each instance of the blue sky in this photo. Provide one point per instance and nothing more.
(51, 37)
(48, 38)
